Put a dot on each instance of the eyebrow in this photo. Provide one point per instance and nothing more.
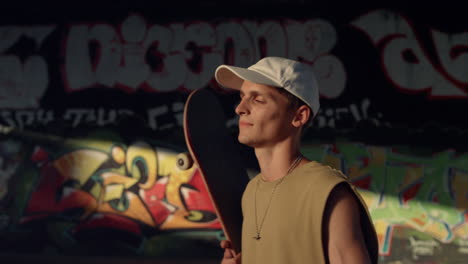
(267, 94)
(255, 93)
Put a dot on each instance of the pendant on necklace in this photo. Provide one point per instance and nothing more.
(257, 237)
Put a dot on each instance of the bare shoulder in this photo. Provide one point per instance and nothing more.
(343, 195)
(343, 234)
(342, 206)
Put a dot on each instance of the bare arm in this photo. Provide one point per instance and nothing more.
(343, 236)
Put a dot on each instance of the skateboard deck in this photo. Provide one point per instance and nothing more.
(219, 159)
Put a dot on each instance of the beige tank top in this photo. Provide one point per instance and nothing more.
(291, 232)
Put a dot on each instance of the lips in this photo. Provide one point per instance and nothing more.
(244, 124)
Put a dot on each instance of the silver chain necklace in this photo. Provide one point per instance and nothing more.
(259, 229)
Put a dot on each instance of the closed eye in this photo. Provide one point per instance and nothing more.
(259, 99)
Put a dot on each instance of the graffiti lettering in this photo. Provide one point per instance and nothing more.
(76, 115)
(159, 118)
(156, 112)
(422, 247)
(138, 181)
(141, 183)
(407, 64)
(331, 117)
(463, 246)
(163, 59)
(100, 117)
(24, 118)
(163, 117)
(406, 190)
(23, 81)
(168, 116)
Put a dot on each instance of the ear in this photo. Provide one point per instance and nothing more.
(301, 116)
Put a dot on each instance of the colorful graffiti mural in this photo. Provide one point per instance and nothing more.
(99, 183)
(93, 184)
(393, 93)
(424, 194)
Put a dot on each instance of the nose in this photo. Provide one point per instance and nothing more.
(242, 108)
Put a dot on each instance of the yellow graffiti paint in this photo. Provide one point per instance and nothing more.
(96, 191)
(195, 216)
(438, 230)
(371, 199)
(113, 192)
(80, 164)
(178, 220)
(381, 228)
(176, 177)
(112, 178)
(167, 162)
(118, 155)
(461, 230)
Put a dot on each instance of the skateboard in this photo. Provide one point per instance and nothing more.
(218, 156)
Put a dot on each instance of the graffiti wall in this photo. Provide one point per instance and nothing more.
(418, 202)
(98, 190)
(96, 102)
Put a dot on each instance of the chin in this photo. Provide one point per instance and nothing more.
(244, 140)
(248, 142)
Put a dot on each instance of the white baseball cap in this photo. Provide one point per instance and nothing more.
(295, 77)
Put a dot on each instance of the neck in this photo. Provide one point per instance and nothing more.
(275, 161)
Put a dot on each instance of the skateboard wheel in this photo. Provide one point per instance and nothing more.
(184, 161)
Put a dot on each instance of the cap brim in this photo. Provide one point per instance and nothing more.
(232, 77)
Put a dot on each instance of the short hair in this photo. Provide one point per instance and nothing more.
(294, 103)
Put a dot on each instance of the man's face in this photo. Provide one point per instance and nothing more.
(264, 116)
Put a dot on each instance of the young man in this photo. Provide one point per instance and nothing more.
(296, 210)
